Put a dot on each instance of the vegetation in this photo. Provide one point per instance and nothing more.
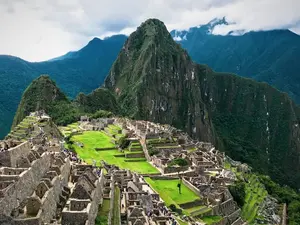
(284, 194)
(235, 112)
(123, 142)
(168, 191)
(102, 216)
(101, 114)
(152, 151)
(116, 207)
(251, 189)
(240, 122)
(255, 194)
(42, 93)
(178, 162)
(238, 192)
(267, 56)
(99, 99)
(97, 139)
(81, 71)
(211, 219)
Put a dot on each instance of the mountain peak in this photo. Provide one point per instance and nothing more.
(95, 40)
(217, 21)
(41, 94)
(152, 28)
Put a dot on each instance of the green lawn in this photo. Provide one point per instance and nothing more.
(211, 219)
(168, 191)
(97, 139)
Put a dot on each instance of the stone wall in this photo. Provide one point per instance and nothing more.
(53, 148)
(112, 197)
(96, 200)
(192, 187)
(145, 150)
(175, 169)
(25, 185)
(163, 178)
(74, 217)
(9, 157)
(135, 155)
(48, 207)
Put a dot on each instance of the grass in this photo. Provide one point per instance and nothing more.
(195, 208)
(19, 132)
(94, 139)
(255, 194)
(67, 130)
(211, 219)
(168, 191)
(102, 216)
(116, 207)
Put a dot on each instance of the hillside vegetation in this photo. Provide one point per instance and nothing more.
(268, 56)
(80, 71)
(154, 79)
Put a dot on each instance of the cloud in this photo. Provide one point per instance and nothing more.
(41, 29)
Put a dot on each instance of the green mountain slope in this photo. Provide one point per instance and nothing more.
(151, 79)
(154, 79)
(80, 71)
(99, 99)
(43, 94)
(269, 56)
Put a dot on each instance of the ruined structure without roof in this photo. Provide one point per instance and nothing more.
(43, 183)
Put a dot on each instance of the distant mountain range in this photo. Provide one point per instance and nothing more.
(269, 56)
(80, 71)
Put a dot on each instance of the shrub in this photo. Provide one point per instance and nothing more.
(179, 162)
(123, 142)
(172, 207)
(152, 151)
(175, 209)
(102, 114)
(237, 191)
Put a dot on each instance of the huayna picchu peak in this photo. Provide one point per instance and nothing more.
(164, 140)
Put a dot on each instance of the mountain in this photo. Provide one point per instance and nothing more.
(43, 94)
(268, 56)
(80, 71)
(100, 98)
(154, 79)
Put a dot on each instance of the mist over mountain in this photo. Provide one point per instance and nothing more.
(267, 56)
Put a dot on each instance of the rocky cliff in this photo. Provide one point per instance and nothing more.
(154, 79)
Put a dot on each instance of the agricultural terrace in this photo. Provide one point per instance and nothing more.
(168, 191)
(67, 130)
(100, 139)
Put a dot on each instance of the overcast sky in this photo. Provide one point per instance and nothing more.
(38, 30)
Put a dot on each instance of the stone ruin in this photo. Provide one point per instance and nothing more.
(205, 173)
(87, 123)
(139, 203)
(41, 186)
(41, 183)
